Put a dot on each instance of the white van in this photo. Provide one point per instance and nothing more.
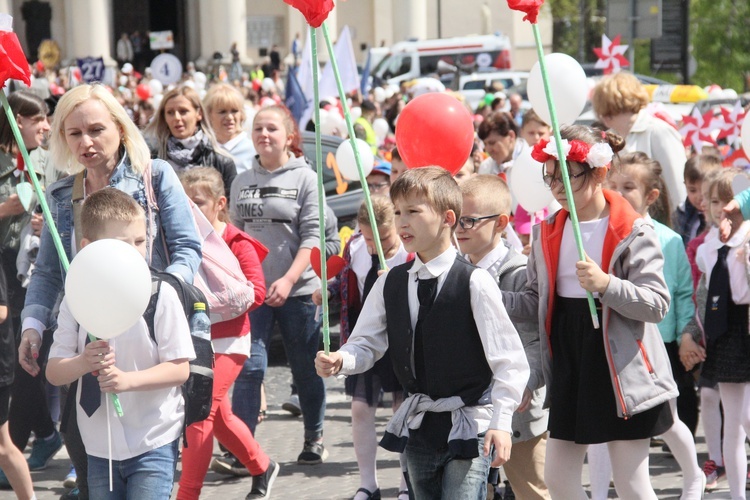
(409, 60)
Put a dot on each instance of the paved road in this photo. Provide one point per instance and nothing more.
(281, 437)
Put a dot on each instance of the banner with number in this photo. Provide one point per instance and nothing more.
(166, 68)
(92, 69)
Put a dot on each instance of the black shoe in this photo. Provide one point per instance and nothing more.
(313, 453)
(262, 484)
(508, 493)
(371, 495)
(229, 465)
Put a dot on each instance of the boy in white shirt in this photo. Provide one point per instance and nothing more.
(461, 360)
(145, 374)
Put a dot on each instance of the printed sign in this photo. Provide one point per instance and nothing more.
(166, 68)
(159, 40)
(92, 69)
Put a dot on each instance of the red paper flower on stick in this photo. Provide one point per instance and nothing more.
(315, 11)
(530, 7)
(13, 64)
(334, 264)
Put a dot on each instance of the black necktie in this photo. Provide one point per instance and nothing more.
(716, 321)
(426, 291)
(91, 394)
(372, 276)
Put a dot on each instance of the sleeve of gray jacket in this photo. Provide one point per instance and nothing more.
(529, 333)
(639, 290)
(524, 305)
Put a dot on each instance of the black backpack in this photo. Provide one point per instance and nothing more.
(197, 391)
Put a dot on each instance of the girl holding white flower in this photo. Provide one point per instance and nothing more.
(609, 384)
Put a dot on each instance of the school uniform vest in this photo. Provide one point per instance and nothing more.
(454, 359)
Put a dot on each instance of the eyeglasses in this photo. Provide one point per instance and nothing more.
(377, 186)
(551, 181)
(469, 222)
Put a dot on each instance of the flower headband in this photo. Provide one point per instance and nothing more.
(596, 155)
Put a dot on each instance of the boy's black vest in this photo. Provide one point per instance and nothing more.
(454, 358)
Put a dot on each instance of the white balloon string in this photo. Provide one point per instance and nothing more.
(109, 444)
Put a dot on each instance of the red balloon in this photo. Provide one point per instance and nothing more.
(257, 84)
(143, 91)
(435, 129)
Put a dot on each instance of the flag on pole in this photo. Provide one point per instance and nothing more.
(343, 51)
(365, 83)
(13, 63)
(295, 98)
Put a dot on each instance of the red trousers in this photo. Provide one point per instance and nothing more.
(228, 429)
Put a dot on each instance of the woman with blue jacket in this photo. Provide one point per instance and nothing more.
(93, 137)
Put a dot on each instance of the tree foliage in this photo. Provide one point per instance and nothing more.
(720, 42)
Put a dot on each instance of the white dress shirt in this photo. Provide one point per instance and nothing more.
(502, 345)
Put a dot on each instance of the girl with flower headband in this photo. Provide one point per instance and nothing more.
(608, 385)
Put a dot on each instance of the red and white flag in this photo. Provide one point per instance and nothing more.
(13, 63)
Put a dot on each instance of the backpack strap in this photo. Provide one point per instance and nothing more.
(79, 193)
(150, 312)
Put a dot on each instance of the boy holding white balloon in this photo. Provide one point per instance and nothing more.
(146, 375)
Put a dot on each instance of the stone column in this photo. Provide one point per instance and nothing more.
(415, 12)
(208, 46)
(229, 25)
(87, 26)
(382, 15)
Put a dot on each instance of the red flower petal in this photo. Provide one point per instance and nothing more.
(315, 11)
(334, 264)
(530, 7)
(578, 151)
(13, 64)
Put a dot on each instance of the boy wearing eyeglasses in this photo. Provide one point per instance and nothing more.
(486, 205)
(452, 346)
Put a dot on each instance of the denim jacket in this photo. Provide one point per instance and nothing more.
(173, 216)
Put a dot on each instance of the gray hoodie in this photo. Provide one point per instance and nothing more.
(279, 209)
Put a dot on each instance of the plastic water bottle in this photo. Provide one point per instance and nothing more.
(200, 325)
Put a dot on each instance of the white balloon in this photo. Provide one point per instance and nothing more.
(156, 86)
(346, 162)
(527, 185)
(268, 85)
(200, 80)
(355, 113)
(108, 287)
(378, 93)
(381, 128)
(568, 84)
(745, 134)
(333, 124)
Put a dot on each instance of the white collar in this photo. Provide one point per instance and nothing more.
(435, 267)
(737, 239)
(497, 254)
(231, 143)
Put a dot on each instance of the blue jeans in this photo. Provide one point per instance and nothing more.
(434, 475)
(149, 476)
(300, 333)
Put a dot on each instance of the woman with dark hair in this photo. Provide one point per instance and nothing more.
(499, 133)
(181, 134)
(276, 203)
(30, 412)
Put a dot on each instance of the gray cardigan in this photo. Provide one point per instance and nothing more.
(635, 300)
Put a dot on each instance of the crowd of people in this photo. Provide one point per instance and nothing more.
(507, 380)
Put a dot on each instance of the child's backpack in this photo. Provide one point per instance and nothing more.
(198, 389)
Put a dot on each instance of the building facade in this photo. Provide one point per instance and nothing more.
(203, 27)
